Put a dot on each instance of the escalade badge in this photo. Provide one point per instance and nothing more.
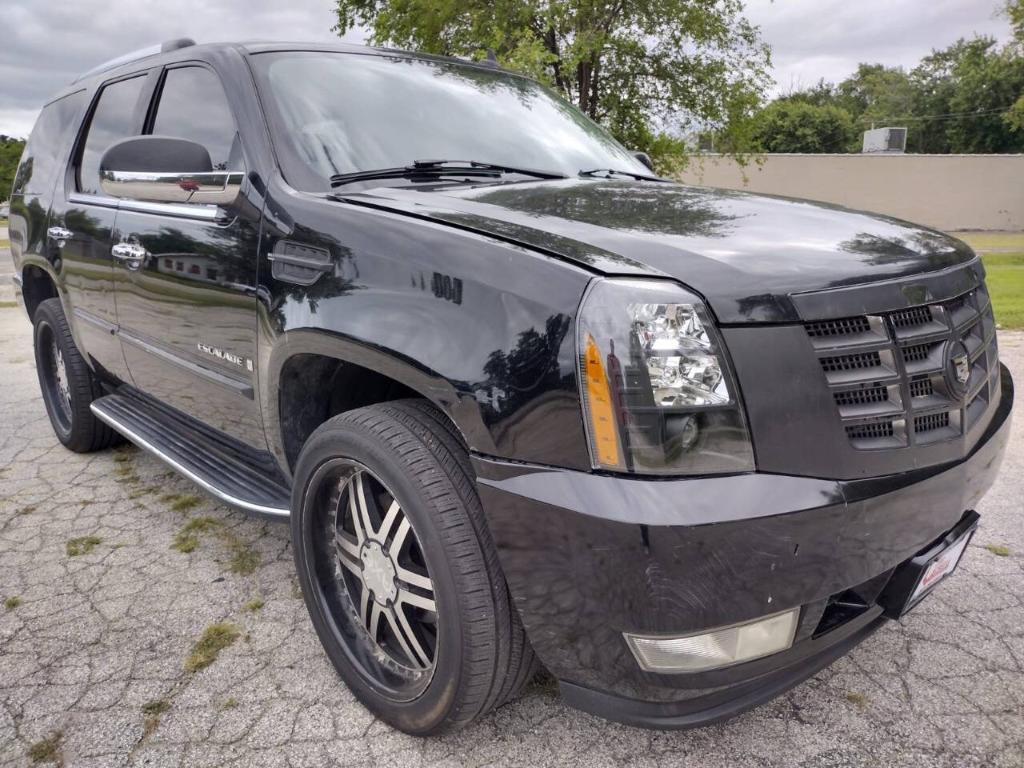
(958, 367)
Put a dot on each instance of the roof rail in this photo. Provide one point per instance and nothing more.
(152, 50)
(176, 43)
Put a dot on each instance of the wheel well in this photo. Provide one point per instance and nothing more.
(37, 286)
(313, 388)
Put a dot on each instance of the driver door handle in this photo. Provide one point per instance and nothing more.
(128, 252)
(132, 254)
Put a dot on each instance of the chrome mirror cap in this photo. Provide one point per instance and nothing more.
(211, 188)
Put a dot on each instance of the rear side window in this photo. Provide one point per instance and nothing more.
(193, 106)
(41, 159)
(112, 120)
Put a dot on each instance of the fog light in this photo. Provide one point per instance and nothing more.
(717, 648)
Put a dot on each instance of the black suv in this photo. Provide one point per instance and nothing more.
(522, 401)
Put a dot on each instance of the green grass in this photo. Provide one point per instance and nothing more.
(5, 243)
(1005, 277)
(859, 700)
(152, 710)
(187, 539)
(244, 559)
(993, 241)
(998, 549)
(254, 605)
(46, 750)
(185, 503)
(14, 601)
(8, 304)
(156, 707)
(215, 639)
(83, 545)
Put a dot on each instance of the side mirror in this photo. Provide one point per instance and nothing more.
(162, 169)
(644, 158)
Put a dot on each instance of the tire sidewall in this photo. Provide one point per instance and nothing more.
(46, 324)
(430, 709)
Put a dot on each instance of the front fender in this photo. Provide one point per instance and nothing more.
(480, 327)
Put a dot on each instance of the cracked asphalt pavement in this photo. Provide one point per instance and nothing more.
(112, 568)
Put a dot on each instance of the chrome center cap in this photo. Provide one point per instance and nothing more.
(378, 572)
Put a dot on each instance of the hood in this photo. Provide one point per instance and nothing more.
(746, 254)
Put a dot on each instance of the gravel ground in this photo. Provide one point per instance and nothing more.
(97, 635)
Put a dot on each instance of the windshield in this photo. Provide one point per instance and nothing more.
(338, 113)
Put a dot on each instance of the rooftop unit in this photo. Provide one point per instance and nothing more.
(890, 140)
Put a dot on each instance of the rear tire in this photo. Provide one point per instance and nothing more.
(399, 466)
(68, 385)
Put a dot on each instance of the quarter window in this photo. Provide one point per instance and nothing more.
(193, 106)
(112, 120)
(39, 164)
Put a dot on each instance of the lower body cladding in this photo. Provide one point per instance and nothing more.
(592, 560)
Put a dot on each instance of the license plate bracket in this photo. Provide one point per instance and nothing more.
(917, 578)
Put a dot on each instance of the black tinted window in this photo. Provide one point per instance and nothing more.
(112, 120)
(39, 163)
(193, 106)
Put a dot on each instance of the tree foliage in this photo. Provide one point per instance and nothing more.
(1015, 12)
(968, 97)
(638, 67)
(798, 126)
(10, 154)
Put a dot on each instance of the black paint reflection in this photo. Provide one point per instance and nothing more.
(669, 209)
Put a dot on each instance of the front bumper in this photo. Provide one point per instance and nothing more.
(589, 556)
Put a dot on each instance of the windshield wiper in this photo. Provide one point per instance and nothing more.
(605, 173)
(438, 168)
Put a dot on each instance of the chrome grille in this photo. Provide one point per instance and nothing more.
(888, 372)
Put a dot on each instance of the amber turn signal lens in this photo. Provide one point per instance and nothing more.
(602, 413)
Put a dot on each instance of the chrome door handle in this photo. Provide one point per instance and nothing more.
(132, 254)
(60, 234)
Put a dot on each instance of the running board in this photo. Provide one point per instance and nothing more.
(229, 470)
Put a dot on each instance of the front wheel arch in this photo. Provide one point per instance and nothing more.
(319, 355)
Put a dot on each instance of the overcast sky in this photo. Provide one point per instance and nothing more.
(44, 45)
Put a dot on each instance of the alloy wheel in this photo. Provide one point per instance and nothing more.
(371, 579)
(379, 557)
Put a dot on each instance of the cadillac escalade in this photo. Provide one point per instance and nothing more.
(522, 402)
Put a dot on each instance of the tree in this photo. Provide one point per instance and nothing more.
(876, 94)
(965, 95)
(798, 126)
(1015, 12)
(10, 154)
(639, 68)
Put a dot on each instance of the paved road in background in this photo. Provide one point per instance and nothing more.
(92, 657)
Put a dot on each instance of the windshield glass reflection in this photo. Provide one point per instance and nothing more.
(343, 113)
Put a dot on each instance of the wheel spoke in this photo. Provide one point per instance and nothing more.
(389, 520)
(419, 601)
(399, 540)
(375, 613)
(414, 579)
(348, 553)
(364, 607)
(406, 637)
(361, 510)
(353, 510)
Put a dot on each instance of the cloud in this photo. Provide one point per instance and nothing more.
(47, 45)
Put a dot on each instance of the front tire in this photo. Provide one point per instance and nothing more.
(68, 385)
(399, 572)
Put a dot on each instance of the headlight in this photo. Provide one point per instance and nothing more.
(657, 392)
